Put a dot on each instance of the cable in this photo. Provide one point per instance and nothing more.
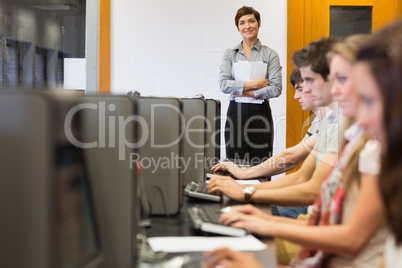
(158, 188)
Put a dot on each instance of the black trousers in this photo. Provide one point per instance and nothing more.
(249, 132)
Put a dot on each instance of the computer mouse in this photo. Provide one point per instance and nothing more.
(226, 209)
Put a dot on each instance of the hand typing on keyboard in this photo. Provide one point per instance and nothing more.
(223, 167)
(225, 210)
(229, 169)
(250, 218)
(207, 219)
(226, 186)
(231, 258)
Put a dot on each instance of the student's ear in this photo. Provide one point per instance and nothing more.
(259, 23)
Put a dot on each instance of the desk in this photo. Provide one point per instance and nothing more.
(180, 225)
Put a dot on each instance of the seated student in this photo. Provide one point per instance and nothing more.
(289, 158)
(301, 187)
(343, 230)
(378, 74)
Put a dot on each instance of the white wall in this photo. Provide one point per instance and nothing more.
(174, 47)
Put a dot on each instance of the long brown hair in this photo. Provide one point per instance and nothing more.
(349, 49)
(383, 54)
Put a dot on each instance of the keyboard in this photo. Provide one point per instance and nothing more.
(207, 219)
(219, 172)
(199, 190)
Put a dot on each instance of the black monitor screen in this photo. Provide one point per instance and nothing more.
(76, 230)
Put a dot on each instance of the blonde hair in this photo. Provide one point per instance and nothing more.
(349, 49)
(351, 172)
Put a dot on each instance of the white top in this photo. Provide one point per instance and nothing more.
(313, 129)
(369, 158)
(328, 135)
(371, 254)
(393, 253)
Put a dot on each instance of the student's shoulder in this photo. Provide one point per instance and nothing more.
(316, 121)
(335, 116)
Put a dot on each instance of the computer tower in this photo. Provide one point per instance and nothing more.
(213, 134)
(194, 139)
(159, 147)
(108, 135)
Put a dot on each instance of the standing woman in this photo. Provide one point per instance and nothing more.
(249, 129)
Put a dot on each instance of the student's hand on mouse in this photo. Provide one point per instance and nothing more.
(233, 259)
(227, 185)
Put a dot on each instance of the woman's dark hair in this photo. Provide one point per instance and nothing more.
(383, 55)
(245, 10)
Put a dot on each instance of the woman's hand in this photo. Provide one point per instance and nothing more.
(262, 82)
(250, 210)
(227, 186)
(231, 259)
(224, 166)
(231, 168)
(254, 224)
(250, 86)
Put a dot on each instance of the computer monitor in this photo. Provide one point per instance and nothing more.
(213, 132)
(159, 147)
(47, 214)
(194, 139)
(108, 128)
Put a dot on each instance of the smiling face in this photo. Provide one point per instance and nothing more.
(304, 99)
(315, 85)
(343, 85)
(248, 26)
(370, 110)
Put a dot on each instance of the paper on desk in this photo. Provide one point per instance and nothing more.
(201, 243)
(249, 71)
